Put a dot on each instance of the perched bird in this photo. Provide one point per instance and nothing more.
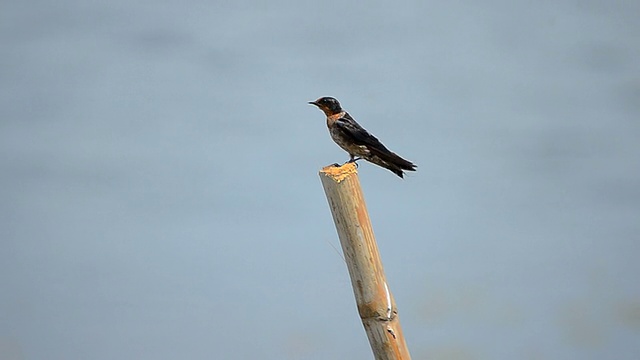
(357, 141)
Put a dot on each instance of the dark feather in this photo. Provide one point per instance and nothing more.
(395, 159)
(377, 152)
(357, 133)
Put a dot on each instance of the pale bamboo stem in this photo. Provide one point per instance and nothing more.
(376, 305)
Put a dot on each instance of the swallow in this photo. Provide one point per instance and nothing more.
(357, 141)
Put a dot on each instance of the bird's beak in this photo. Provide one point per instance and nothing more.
(313, 103)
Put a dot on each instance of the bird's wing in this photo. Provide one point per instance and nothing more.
(357, 133)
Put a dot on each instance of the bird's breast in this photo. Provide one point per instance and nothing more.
(346, 143)
(331, 119)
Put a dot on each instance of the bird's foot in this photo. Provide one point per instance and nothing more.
(354, 159)
(336, 165)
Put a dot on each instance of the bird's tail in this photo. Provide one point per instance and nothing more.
(392, 161)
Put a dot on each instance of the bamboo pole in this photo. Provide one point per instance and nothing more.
(376, 305)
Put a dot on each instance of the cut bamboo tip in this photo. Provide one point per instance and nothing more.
(339, 173)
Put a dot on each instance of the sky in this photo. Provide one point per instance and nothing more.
(161, 198)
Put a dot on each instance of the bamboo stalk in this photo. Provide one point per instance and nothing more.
(376, 305)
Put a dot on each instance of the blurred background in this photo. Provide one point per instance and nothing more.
(160, 196)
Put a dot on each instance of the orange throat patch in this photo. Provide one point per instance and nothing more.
(333, 118)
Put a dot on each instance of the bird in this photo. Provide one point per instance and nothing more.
(357, 141)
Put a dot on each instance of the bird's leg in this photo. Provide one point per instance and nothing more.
(352, 159)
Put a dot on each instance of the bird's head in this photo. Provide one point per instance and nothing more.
(328, 105)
